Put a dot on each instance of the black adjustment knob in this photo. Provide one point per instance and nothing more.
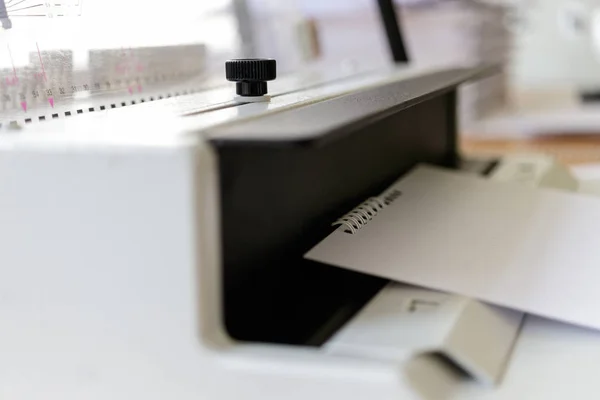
(251, 75)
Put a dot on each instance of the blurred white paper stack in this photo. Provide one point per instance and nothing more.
(437, 34)
(464, 32)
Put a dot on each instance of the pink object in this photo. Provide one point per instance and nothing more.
(12, 81)
(24, 106)
(51, 101)
(15, 80)
(130, 90)
(43, 74)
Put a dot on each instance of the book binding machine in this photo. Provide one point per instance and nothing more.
(155, 254)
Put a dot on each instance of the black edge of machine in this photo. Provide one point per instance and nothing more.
(285, 177)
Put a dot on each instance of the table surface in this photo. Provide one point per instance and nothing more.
(568, 149)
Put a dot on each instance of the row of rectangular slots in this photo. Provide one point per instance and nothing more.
(113, 105)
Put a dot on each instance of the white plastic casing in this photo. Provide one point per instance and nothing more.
(110, 279)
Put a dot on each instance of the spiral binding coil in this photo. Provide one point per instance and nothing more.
(361, 215)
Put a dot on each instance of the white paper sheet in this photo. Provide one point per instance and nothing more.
(534, 250)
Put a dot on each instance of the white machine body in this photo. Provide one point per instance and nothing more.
(110, 282)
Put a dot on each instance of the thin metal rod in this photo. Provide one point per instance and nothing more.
(26, 8)
(393, 30)
(14, 4)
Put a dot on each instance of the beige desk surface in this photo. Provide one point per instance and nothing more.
(569, 149)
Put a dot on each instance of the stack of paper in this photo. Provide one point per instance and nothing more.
(457, 33)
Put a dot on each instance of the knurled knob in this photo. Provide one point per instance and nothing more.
(251, 75)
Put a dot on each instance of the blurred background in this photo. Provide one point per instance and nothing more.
(545, 99)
